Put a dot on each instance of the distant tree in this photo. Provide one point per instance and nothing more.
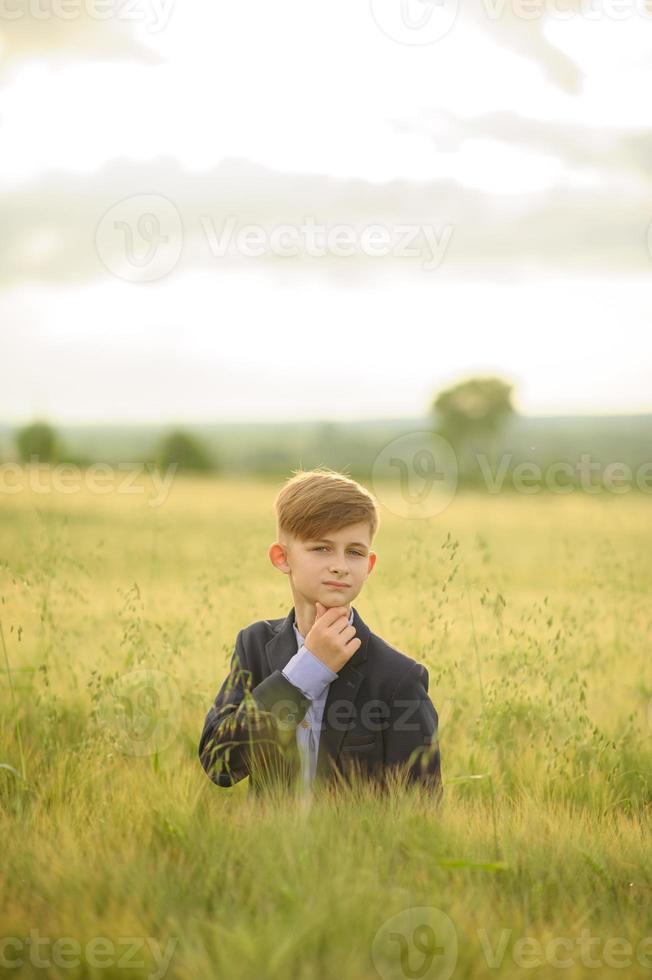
(472, 413)
(186, 451)
(37, 439)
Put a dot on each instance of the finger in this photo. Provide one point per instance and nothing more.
(321, 609)
(345, 628)
(333, 613)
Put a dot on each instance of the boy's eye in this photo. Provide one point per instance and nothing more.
(322, 547)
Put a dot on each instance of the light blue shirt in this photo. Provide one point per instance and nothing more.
(312, 677)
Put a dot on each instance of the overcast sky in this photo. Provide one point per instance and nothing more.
(509, 158)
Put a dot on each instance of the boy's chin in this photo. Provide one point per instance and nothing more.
(335, 597)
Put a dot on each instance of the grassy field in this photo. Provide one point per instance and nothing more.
(119, 856)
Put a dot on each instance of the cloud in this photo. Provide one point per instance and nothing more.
(53, 39)
(50, 224)
(601, 148)
(501, 21)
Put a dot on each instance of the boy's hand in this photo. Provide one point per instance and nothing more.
(332, 638)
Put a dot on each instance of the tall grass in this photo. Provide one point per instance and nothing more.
(534, 617)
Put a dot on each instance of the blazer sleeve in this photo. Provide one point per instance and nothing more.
(247, 728)
(411, 742)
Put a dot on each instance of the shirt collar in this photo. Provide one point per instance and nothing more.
(300, 638)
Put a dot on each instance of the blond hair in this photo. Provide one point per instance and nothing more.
(313, 502)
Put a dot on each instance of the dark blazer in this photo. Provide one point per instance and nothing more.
(377, 717)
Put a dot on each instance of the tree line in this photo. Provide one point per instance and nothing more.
(469, 415)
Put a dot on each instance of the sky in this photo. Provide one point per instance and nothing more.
(215, 211)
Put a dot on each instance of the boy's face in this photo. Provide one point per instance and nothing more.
(343, 556)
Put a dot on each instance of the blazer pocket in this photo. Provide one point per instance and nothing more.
(353, 741)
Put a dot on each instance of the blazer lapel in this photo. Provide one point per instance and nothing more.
(340, 702)
(342, 692)
(283, 645)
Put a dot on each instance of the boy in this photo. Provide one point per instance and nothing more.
(316, 697)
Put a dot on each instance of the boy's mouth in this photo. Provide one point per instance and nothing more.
(337, 585)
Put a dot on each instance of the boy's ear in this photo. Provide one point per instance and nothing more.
(278, 556)
(372, 561)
